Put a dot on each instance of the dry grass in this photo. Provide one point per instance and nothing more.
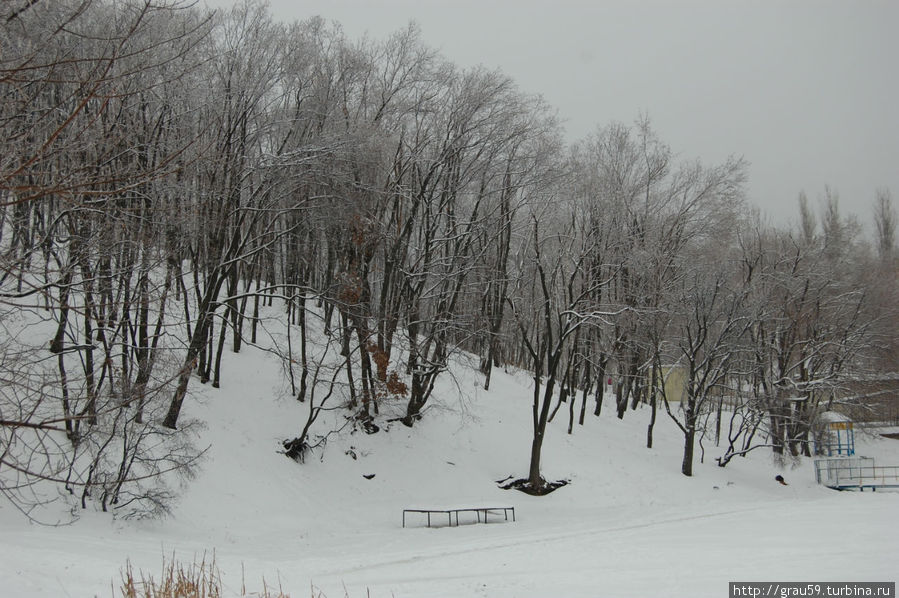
(195, 580)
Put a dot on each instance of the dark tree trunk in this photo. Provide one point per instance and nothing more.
(346, 352)
(599, 396)
(654, 381)
(304, 360)
(584, 393)
(689, 429)
(217, 372)
(621, 395)
(205, 312)
(193, 350)
(689, 437)
(534, 478)
(255, 318)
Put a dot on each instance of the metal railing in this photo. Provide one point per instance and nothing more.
(855, 472)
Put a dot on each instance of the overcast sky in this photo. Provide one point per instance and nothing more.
(807, 91)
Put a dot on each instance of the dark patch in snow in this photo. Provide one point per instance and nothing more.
(542, 489)
(295, 449)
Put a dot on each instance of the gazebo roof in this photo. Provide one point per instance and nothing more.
(833, 416)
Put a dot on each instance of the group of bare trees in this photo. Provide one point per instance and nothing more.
(92, 95)
(169, 176)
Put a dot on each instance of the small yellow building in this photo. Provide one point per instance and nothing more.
(675, 378)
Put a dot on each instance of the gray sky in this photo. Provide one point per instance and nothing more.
(806, 90)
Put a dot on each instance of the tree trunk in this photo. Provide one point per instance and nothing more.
(689, 437)
(621, 395)
(217, 371)
(571, 413)
(585, 391)
(654, 380)
(346, 352)
(304, 361)
(689, 429)
(598, 397)
(197, 344)
(534, 478)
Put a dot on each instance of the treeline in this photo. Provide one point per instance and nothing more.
(167, 173)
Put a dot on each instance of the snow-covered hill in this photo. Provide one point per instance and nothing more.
(628, 524)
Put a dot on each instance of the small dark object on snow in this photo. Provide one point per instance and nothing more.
(368, 476)
(780, 479)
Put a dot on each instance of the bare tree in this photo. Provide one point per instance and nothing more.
(707, 331)
(885, 224)
(95, 148)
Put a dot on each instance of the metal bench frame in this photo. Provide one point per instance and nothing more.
(450, 512)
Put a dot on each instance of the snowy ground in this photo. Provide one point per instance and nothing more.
(629, 524)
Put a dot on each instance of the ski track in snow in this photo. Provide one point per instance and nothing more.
(535, 536)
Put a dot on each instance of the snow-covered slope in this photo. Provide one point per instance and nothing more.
(629, 524)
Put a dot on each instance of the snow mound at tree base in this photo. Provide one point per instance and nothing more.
(541, 489)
